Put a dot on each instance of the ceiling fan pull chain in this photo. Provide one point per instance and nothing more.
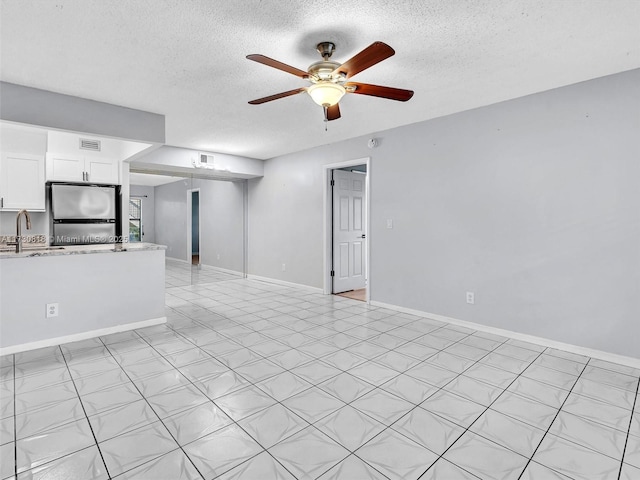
(326, 116)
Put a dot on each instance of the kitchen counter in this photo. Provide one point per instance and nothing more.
(45, 251)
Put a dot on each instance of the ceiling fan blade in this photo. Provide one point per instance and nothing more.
(374, 53)
(277, 96)
(378, 91)
(333, 112)
(279, 65)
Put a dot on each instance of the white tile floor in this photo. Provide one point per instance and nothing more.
(250, 380)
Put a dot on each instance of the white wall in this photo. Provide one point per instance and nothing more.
(147, 197)
(533, 204)
(69, 143)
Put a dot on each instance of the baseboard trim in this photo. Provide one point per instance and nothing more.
(544, 342)
(180, 260)
(223, 270)
(285, 284)
(52, 342)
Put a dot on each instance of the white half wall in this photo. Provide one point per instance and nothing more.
(533, 204)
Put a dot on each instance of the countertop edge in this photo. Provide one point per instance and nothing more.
(84, 250)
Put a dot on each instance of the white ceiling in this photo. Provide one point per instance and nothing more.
(186, 59)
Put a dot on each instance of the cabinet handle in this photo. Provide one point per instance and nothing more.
(87, 173)
(2, 202)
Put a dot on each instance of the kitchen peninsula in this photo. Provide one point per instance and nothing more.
(98, 289)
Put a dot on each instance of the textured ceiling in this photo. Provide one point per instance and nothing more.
(186, 59)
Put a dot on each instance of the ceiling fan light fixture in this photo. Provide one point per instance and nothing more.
(326, 94)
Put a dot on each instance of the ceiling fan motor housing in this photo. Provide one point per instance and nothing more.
(321, 71)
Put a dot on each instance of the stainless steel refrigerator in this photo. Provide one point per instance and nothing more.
(83, 214)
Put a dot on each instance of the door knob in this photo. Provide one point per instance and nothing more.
(362, 236)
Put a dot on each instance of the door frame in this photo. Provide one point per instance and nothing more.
(328, 222)
(189, 226)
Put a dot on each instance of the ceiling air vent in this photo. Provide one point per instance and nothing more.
(86, 144)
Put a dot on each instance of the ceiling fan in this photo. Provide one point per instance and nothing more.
(329, 79)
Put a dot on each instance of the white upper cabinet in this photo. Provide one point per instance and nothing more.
(82, 169)
(65, 168)
(101, 170)
(22, 183)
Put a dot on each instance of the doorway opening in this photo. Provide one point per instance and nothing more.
(194, 227)
(347, 229)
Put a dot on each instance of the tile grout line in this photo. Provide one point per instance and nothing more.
(438, 389)
(405, 342)
(552, 421)
(467, 429)
(241, 298)
(209, 399)
(311, 385)
(84, 410)
(152, 409)
(626, 442)
(310, 424)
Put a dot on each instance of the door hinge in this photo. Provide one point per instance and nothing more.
(333, 274)
(333, 183)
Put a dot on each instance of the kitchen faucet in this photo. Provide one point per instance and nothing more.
(18, 231)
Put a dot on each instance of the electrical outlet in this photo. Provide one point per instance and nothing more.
(389, 223)
(52, 310)
(284, 267)
(471, 298)
(218, 256)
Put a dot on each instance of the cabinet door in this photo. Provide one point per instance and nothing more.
(22, 182)
(65, 168)
(101, 170)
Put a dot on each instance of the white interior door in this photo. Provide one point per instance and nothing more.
(349, 243)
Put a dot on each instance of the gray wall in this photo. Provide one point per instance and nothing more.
(170, 217)
(33, 106)
(148, 210)
(533, 204)
(221, 221)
